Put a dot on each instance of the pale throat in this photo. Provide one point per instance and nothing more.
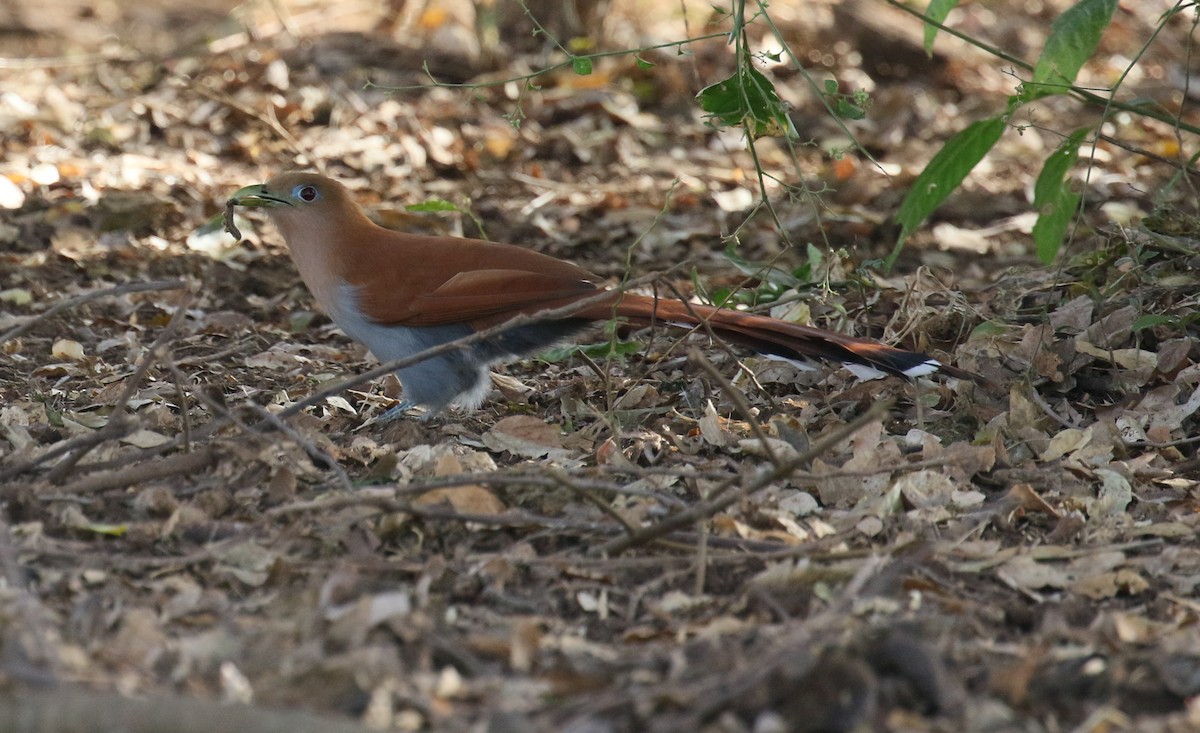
(313, 252)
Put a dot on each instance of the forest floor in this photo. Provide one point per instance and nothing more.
(187, 540)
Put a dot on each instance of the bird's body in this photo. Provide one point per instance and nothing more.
(400, 293)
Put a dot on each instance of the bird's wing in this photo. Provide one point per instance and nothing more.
(479, 297)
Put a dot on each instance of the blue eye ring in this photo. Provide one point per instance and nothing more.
(306, 193)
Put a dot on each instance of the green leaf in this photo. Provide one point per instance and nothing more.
(1056, 168)
(1151, 321)
(831, 86)
(1074, 36)
(988, 328)
(720, 296)
(643, 63)
(936, 12)
(112, 530)
(299, 321)
(848, 110)
(601, 350)
(1053, 199)
(214, 224)
(582, 65)
(1051, 226)
(815, 257)
(747, 99)
(945, 173)
(433, 205)
(766, 273)
(53, 416)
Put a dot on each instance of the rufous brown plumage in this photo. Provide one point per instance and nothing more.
(401, 293)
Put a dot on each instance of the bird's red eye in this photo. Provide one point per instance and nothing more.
(307, 193)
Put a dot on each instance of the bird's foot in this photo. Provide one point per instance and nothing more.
(395, 413)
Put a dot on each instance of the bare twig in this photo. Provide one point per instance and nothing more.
(87, 298)
(214, 356)
(223, 419)
(1036, 398)
(392, 366)
(161, 468)
(220, 411)
(62, 62)
(63, 467)
(739, 401)
(564, 479)
(185, 415)
(315, 454)
(1080, 92)
(723, 497)
(799, 649)
(115, 429)
(701, 562)
(514, 519)
(551, 479)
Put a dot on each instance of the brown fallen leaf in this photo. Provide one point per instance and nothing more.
(469, 499)
(525, 435)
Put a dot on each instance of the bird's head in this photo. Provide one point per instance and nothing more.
(300, 202)
(319, 220)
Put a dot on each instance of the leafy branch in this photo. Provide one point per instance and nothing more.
(1073, 39)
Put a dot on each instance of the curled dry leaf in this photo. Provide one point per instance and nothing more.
(525, 435)
(1114, 497)
(16, 296)
(782, 450)
(639, 396)
(1066, 441)
(710, 427)
(145, 439)
(67, 349)
(1135, 360)
(468, 499)
(921, 489)
(512, 388)
(1107, 585)
(1025, 499)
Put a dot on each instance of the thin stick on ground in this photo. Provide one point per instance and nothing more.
(723, 497)
(114, 430)
(315, 454)
(120, 409)
(88, 297)
(739, 402)
(181, 464)
(549, 479)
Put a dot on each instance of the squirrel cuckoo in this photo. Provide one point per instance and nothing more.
(401, 293)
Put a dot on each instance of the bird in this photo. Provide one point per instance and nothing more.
(400, 293)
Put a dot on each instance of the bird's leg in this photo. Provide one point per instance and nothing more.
(394, 413)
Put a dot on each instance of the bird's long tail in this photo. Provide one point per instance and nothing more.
(775, 337)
